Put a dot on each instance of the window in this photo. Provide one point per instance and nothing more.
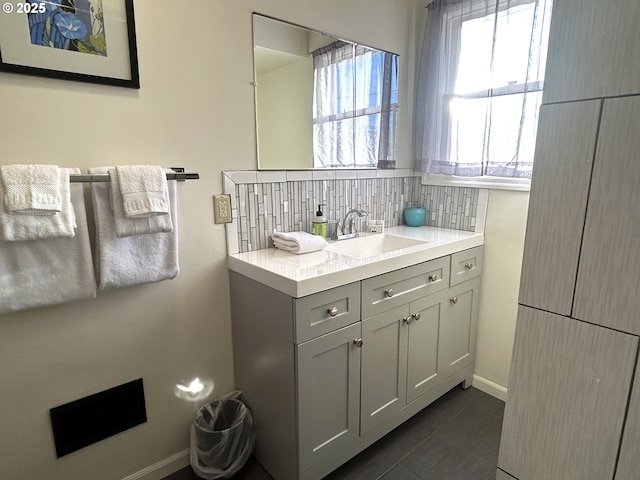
(481, 81)
(355, 104)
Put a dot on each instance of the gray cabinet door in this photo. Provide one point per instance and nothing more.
(422, 365)
(594, 47)
(568, 391)
(384, 366)
(458, 328)
(559, 190)
(609, 274)
(328, 394)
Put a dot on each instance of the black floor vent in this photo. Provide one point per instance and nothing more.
(96, 417)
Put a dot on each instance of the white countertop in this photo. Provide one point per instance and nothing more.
(301, 275)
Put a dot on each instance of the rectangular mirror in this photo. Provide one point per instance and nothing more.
(322, 102)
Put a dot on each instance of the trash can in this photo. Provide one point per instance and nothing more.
(222, 438)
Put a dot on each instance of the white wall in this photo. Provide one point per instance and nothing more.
(503, 247)
(195, 109)
(285, 116)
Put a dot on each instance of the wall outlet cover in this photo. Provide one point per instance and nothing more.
(222, 208)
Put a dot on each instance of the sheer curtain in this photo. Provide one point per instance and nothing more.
(355, 102)
(480, 86)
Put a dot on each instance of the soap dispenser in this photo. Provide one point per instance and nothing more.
(319, 223)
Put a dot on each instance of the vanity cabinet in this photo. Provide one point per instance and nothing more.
(328, 374)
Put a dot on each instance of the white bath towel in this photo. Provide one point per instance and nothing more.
(122, 262)
(144, 190)
(31, 189)
(298, 242)
(20, 228)
(126, 227)
(50, 271)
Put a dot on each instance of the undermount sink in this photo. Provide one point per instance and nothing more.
(370, 245)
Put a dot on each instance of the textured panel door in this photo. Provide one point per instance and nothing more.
(609, 274)
(594, 47)
(458, 328)
(329, 394)
(629, 462)
(559, 190)
(568, 390)
(422, 370)
(384, 366)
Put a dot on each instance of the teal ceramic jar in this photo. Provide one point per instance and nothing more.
(414, 216)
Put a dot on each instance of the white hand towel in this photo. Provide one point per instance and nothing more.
(31, 189)
(19, 228)
(298, 242)
(126, 227)
(144, 190)
(48, 272)
(122, 262)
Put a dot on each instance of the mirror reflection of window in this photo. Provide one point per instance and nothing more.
(355, 102)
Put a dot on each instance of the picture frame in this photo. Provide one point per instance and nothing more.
(83, 40)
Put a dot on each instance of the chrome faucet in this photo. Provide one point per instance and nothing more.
(347, 223)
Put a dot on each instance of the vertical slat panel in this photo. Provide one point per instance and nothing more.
(559, 190)
(593, 47)
(607, 288)
(629, 463)
(568, 391)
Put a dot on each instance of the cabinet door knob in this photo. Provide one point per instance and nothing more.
(333, 311)
(468, 266)
(416, 316)
(407, 320)
(358, 342)
(389, 293)
(453, 300)
(433, 278)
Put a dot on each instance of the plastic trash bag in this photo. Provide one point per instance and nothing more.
(222, 438)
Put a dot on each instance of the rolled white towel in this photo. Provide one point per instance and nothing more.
(298, 242)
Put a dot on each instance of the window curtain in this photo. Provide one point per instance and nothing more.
(480, 87)
(355, 103)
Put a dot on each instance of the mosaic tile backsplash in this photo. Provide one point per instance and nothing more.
(261, 208)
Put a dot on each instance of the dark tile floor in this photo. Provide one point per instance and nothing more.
(455, 438)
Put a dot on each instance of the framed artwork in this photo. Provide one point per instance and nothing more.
(85, 40)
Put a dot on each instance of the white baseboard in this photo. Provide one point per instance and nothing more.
(163, 468)
(492, 388)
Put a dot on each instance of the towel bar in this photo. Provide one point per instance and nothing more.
(104, 177)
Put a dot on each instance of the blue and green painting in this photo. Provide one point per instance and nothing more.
(74, 25)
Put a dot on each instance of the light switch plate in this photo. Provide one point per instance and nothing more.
(222, 208)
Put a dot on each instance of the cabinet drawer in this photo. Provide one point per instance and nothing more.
(392, 289)
(466, 265)
(326, 311)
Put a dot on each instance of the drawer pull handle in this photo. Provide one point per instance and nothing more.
(416, 316)
(333, 311)
(453, 300)
(468, 266)
(358, 342)
(407, 320)
(389, 293)
(433, 278)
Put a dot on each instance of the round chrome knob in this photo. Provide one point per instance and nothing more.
(358, 342)
(433, 278)
(389, 293)
(407, 320)
(453, 300)
(416, 316)
(333, 311)
(468, 266)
